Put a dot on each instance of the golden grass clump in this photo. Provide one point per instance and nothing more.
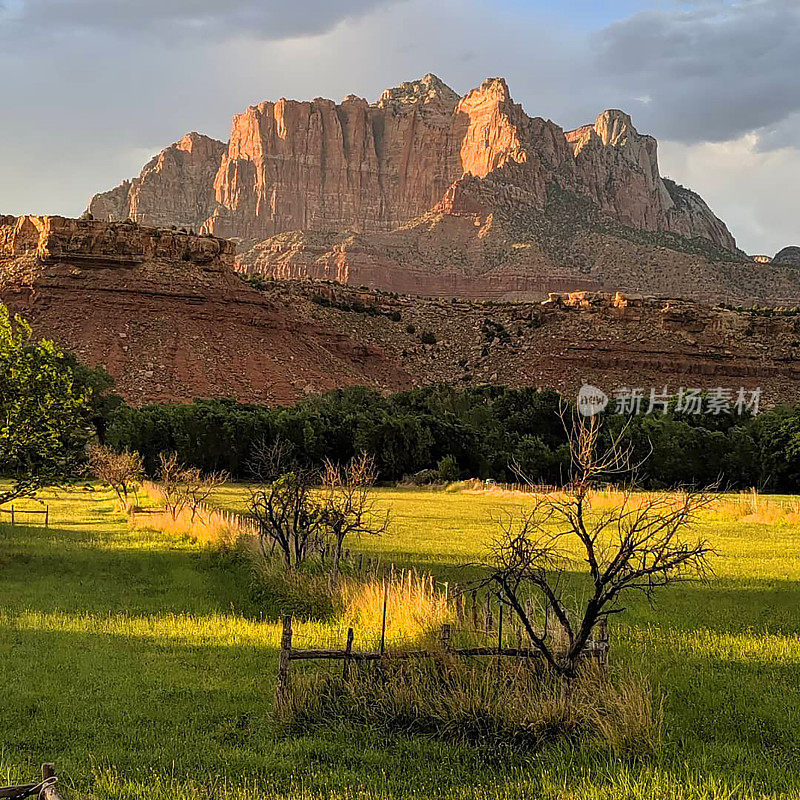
(502, 702)
(753, 507)
(414, 612)
(204, 527)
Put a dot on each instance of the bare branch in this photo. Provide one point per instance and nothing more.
(637, 545)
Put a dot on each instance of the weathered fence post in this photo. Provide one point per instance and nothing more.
(529, 610)
(446, 637)
(347, 651)
(602, 639)
(50, 780)
(475, 609)
(383, 624)
(47, 516)
(12, 514)
(500, 628)
(282, 688)
(360, 563)
(489, 618)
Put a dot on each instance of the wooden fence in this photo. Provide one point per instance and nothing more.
(15, 513)
(474, 610)
(47, 788)
(596, 649)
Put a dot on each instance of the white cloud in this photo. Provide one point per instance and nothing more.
(753, 190)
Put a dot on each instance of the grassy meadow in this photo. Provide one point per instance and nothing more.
(144, 666)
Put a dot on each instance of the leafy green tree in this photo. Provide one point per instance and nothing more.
(448, 469)
(45, 416)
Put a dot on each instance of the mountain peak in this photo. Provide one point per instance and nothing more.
(613, 126)
(427, 89)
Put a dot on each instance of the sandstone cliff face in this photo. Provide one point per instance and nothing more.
(174, 188)
(320, 166)
(84, 243)
(169, 319)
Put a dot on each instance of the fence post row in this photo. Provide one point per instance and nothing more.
(598, 650)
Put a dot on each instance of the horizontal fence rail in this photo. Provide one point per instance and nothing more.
(47, 788)
(15, 512)
(596, 649)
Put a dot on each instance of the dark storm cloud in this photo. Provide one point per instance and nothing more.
(711, 71)
(209, 19)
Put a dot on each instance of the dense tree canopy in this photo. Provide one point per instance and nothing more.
(480, 431)
(45, 411)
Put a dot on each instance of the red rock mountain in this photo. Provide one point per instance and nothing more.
(348, 191)
(168, 317)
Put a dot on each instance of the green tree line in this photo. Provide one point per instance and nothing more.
(51, 406)
(470, 432)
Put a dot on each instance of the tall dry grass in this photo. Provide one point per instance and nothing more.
(501, 702)
(204, 525)
(751, 506)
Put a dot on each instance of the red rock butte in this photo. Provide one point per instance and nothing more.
(423, 191)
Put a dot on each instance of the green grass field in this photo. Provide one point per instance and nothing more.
(140, 666)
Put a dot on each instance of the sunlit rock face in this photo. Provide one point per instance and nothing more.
(321, 165)
(463, 172)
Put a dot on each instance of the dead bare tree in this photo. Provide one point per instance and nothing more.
(122, 471)
(348, 504)
(185, 487)
(289, 515)
(270, 459)
(636, 545)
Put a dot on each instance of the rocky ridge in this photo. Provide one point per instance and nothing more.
(169, 318)
(319, 168)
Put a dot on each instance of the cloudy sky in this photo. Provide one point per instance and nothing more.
(93, 88)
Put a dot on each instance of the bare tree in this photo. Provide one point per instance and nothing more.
(289, 515)
(637, 545)
(348, 505)
(122, 471)
(271, 459)
(185, 487)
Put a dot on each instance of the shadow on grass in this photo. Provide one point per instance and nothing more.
(63, 570)
(197, 706)
(158, 711)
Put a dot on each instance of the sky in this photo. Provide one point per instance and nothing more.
(93, 88)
